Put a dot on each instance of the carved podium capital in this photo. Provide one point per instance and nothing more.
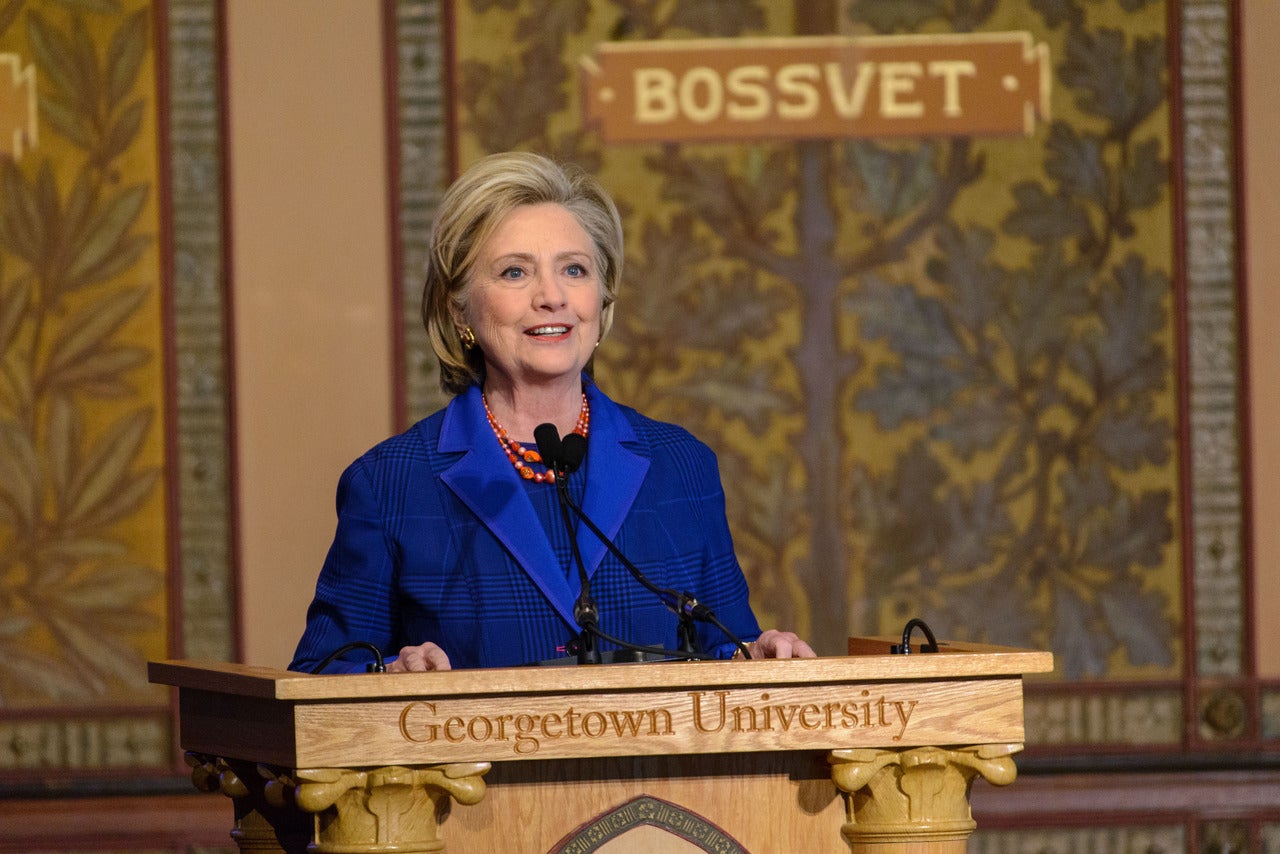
(918, 794)
(367, 810)
(339, 810)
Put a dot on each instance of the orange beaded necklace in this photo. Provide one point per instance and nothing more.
(521, 457)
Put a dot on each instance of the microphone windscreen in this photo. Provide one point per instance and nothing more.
(548, 439)
(573, 449)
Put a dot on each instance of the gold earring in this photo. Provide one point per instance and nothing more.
(468, 337)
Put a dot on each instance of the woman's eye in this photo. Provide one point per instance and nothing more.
(512, 273)
(576, 270)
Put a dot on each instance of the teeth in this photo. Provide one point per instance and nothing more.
(549, 330)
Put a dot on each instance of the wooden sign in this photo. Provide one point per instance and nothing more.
(18, 111)
(981, 84)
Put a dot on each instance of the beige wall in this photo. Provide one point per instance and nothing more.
(310, 273)
(1261, 126)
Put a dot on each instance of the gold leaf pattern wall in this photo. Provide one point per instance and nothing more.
(83, 525)
(939, 373)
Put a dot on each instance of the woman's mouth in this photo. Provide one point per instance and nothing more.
(548, 331)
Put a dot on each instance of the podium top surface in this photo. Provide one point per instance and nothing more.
(870, 662)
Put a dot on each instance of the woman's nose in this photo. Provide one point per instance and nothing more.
(550, 291)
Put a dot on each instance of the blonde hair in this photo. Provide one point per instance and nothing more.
(472, 209)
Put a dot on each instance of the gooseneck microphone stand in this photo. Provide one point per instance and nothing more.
(685, 606)
(585, 612)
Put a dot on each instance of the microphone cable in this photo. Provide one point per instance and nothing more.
(375, 666)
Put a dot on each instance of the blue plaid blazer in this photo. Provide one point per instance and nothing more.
(438, 540)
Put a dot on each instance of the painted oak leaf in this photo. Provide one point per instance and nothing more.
(1120, 85)
(1132, 312)
(668, 256)
(976, 522)
(738, 392)
(506, 114)
(992, 611)
(889, 16)
(1133, 436)
(768, 506)
(1058, 12)
(1080, 641)
(722, 199)
(723, 309)
(929, 371)
(901, 510)
(975, 423)
(1075, 161)
(1039, 303)
(1131, 532)
(911, 322)
(962, 265)
(1043, 218)
(893, 181)
(718, 19)
(1086, 490)
(552, 20)
(1146, 175)
(1139, 620)
(911, 390)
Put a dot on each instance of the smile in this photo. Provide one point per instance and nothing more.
(547, 330)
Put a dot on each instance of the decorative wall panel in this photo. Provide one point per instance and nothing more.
(114, 543)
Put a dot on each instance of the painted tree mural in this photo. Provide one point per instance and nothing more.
(937, 372)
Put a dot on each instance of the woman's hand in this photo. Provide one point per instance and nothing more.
(776, 644)
(425, 656)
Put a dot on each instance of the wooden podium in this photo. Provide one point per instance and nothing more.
(872, 752)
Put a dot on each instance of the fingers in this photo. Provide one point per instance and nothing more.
(420, 658)
(776, 644)
(800, 649)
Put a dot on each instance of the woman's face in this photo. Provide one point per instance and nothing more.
(535, 297)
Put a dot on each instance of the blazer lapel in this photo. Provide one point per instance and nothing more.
(617, 464)
(490, 487)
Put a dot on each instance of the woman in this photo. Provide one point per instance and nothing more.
(450, 549)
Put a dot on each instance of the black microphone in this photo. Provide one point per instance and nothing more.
(552, 451)
(573, 449)
(550, 447)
